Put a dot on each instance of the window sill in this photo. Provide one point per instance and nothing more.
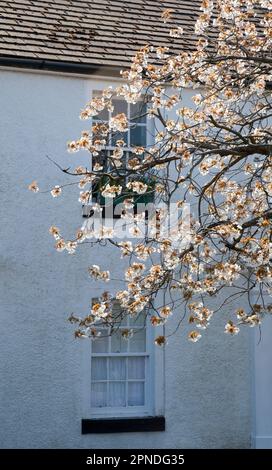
(112, 425)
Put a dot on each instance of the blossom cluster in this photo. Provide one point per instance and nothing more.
(214, 152)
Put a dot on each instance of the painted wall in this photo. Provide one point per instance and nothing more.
(207, 385)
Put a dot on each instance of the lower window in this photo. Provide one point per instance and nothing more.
(121, 370)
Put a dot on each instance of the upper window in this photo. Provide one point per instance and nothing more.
(121, 369)
(136, 136)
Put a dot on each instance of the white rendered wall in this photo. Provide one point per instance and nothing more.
(207, 385)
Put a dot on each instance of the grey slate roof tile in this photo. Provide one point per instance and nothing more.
(95, 32)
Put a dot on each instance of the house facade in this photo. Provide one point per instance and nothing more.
(56, 391)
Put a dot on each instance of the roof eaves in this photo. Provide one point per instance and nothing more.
(60, 66)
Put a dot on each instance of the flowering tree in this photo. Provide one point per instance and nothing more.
(214, 155)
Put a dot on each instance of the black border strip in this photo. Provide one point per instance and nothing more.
(99, 426)
(84, 458)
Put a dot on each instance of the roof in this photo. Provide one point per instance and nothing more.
(90, 33)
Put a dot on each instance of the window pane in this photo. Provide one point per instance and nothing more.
(102, 116)
(119, 136)
(138, 136)
(118, 343)
(136, 394)
(99, 368)
(117, 394)
(136, 367)
(137, 342)
(97, 135)
(101, 344)
(136, 110)
(117, 368)
(120, 106)
(138, 320)
(119, 316)
(99, 394)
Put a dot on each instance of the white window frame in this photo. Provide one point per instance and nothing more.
(149, 127)
(147, 408)
(154, 380)
(154, 388)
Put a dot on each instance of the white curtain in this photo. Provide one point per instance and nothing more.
(136, 370)
(117, 390)
(99, 394)
(136, 367)
(117, 394)
(99, 368)
(117, 368)
(135, 393)
(118, 381)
